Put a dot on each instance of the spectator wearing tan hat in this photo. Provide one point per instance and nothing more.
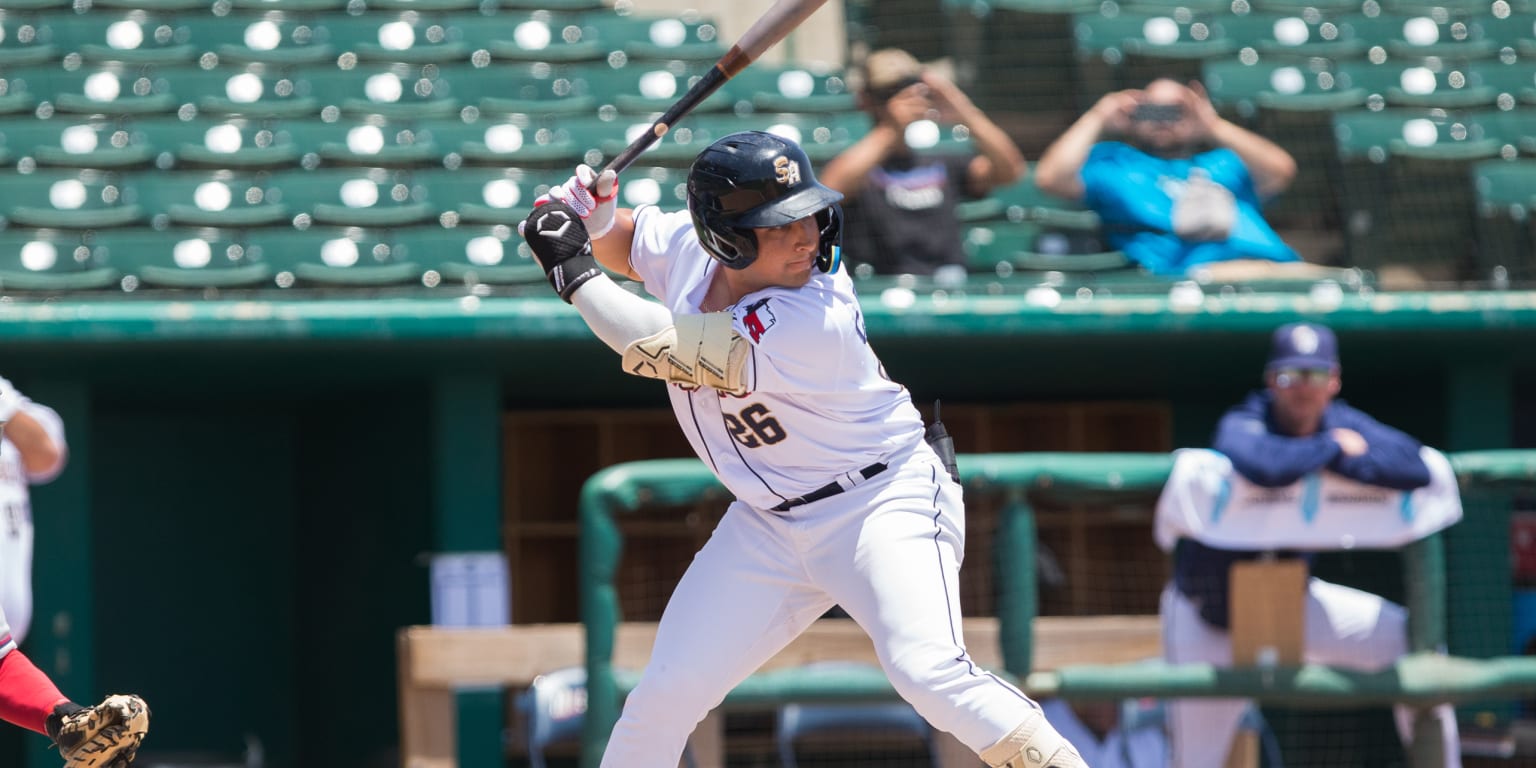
(900, 200)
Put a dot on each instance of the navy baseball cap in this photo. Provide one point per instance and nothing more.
(1303, 345)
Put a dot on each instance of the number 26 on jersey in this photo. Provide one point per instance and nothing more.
(754, 426)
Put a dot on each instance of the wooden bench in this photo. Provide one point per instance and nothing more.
(434, 661)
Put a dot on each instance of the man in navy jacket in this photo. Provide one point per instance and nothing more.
(1277, 436)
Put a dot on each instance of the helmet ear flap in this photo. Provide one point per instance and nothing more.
(829, 221)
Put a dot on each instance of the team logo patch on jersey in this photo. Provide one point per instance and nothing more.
(757, 319)
(786, 171)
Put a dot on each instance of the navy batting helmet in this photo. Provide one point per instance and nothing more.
(756, 179)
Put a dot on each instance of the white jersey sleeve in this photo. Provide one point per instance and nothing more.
(54, 425)
(662, 255)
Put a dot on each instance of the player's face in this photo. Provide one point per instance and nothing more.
(786, 255)
(1302, 394)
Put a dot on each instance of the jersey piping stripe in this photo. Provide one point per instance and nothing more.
(694, 413)
(954, 633)
(737, 447)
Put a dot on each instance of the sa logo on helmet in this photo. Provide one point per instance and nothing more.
(786, 171)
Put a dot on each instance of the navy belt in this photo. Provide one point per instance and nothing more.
(830, 489)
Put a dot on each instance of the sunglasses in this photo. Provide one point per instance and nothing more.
(1158, 113)
(882, 95)
(1285, 378)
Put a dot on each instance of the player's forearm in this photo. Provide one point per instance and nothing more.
(39, 454)
(1060, 169)
(612, 250)
(1271, 167)
(616, 316)
(847, 172)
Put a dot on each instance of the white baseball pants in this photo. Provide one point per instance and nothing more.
(888, 551)
(1344, 626)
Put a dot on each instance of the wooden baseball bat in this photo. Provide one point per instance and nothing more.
(774, 24)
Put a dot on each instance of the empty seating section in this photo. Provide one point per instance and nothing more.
(294, 143)
(271, 144)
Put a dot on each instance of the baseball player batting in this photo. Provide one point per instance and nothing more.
(839, 499)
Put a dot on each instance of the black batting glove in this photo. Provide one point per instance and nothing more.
(560, 243)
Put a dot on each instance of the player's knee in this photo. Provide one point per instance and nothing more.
(672, 695)
(926, 668)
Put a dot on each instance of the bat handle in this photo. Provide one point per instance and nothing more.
(706, 87)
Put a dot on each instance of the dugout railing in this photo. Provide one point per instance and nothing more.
(1019, 482)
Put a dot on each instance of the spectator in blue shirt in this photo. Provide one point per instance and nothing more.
(1278, 435)
(1174, 183)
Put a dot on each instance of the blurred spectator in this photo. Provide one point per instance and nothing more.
(1174, 183)
(1111, 734)
(1275, 438)
(900, 201)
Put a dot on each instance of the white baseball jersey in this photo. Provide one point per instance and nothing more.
(811, 365)
(886, 548)
(16, 519)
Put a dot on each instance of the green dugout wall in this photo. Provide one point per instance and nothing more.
(254, 486)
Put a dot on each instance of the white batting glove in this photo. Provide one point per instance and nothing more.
(597, 206)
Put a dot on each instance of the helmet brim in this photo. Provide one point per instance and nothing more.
(792, 208)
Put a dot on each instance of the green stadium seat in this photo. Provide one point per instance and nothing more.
(278, 39)
(681, 144)
(409, 37)
(1176, 36)
(31, 6)
(100, 144)
(1407, 188)
(1440, 36)
(1439, 84)
(373, 141)
(1512, 80)
(255, 93)
(112, 90)
(565, 6)
(531, 89)
(423, 6)
(1304, 34)
(687, 37)
(486, 196)
(1506, 190)
(1005, 247)
(356, 197)
(25, 39)
(664, 187)
(137, 38)
(18, 92)
(1290, 85)
(1024, 202)
(85, 199)
(518, 141)
(331, 256)
(642, 89)
(241, 143)
(795, 89)
(542, 37)
(154, 6)
(392, 91)
(470, 255)
(183, 258)
(220, 198)
(50, 260)
(290, 6)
